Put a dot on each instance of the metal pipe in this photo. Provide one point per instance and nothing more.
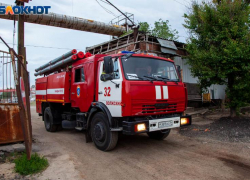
(69, 22)
(66, 55)
(80, 55)
(57, 65)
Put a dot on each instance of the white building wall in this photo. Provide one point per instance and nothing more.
(187, 77)
(219, 90)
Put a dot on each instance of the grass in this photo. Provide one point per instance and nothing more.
(12, 156)
(34, 165)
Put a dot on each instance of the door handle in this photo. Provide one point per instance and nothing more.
(72, 93)
(100, 92)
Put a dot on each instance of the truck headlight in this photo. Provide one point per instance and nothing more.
(140, 127)
(185, 120)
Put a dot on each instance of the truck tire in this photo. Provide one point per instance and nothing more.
(159, 135)
(48, 120)
(103, 138)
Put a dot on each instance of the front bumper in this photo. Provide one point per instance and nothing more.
(129, 128)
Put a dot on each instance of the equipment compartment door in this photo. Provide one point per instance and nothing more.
(78, 87)
(110, 92)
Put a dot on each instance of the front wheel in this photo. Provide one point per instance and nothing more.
(103, 138)
(159, 135)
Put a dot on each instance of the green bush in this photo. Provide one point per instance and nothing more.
(34, 165)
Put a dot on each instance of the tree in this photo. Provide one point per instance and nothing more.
(161, 29)
(144, 26)
(218, 47)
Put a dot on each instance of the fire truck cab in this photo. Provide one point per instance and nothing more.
(107, 94)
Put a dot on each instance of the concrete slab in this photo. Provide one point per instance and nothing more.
(18, 147)
(7, 148)
(35, 148)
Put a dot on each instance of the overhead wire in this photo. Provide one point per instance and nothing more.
(182, 4)
(36, 46)
(187, 1)
(105, 2)
(120, 12)
(108, 11)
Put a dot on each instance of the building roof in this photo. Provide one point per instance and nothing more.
(113, 40)
(141, 42)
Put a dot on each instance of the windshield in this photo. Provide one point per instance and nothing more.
(140, 68)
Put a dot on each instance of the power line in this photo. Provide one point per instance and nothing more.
(43, 46)
(105, 2)
(187, 1)
(181, 4)
(108, 11)
(121, 12)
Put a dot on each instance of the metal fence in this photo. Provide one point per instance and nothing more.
(8, 92)
(15, 116)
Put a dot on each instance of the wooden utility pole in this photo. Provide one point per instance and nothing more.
(23, 74)
(20, 38)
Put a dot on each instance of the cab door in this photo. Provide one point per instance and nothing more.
(110, 92)
(78, 88)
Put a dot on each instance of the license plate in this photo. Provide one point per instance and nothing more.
(165, 124)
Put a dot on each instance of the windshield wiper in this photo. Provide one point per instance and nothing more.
(151, 78)
(168, 79)
(163, 79)
(138, 77)
(176, 82)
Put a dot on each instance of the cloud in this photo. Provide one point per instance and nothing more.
(38, 35)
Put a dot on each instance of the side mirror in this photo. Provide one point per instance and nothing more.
(107, 77)
(108, 65)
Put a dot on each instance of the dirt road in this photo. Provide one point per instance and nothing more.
(138, 157)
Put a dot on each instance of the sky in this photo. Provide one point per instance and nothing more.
(57, 41)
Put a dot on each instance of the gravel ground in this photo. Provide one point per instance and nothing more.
(179, 156)
(223, 129)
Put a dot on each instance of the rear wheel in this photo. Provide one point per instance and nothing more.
(159, 135)
(103, 138)
(48, 120)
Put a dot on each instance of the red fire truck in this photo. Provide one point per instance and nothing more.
(107, 94)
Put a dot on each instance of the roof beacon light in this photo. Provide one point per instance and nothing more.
(127, 52)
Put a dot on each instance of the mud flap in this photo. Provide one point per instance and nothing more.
(88, 136)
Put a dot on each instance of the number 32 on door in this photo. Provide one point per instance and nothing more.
(107, 91)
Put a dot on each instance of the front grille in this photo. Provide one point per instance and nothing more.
(157, 107)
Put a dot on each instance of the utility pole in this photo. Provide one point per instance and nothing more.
(21, 49)
(23, 74)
